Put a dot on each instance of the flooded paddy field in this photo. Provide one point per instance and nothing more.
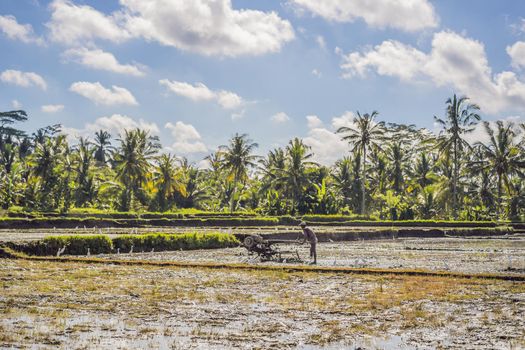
(50, 305)
(65, 305)
(472, 255)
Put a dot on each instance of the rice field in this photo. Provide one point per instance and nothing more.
(66, 304)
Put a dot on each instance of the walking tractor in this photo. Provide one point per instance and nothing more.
(268, 249)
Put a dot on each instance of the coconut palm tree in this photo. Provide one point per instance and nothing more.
(295, 175)
(272, 167)
(11, 185)
(9, 118)
(46, 169)
(102, 146)
(422, 173)
(460, 119)
(192, 191)
(237, 159)
(365, 134)
(85, 191)
(502, 156)
(137, 149)
(342, 175)
(167, 181)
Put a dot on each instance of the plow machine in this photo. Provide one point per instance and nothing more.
(269, 250)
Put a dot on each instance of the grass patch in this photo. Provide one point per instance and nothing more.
(70, 245)
(185, 241)
(103, 244)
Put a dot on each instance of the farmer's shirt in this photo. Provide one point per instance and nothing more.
(309, 235)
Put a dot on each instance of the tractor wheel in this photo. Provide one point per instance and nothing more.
(249, 242)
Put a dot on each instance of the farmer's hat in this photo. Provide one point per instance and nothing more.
(302, 224)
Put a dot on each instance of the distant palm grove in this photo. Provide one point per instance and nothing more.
(391, 171)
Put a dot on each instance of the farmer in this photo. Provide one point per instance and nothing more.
(310, 236)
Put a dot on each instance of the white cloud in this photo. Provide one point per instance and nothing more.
(228, 99)
(16, 31)
(52, 108)
(187, 139)
(238, 115)
(16, 104)
(345, 119)
(114, 124)
(390, 58)
(208, 27)
(454, 61)
(518, 27)
(100, 95)
(280, 118)
(317, 73)
(313, 121)
(479, 134)
(24, 79)
(200, 92)
(320, 41)
(101, 60)
(72, 24)
(517, 54)
(407, 15)
(326, 145)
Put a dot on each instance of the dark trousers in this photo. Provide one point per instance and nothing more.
(313, 249)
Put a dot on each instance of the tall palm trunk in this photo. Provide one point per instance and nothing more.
(363, 188)
(455, 182)
(499, 194)
(234, 192)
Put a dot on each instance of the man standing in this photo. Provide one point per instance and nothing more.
(310, 236)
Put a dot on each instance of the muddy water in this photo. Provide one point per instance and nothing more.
(444, 254)
(46, 305)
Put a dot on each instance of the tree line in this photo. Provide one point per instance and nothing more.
(392, 171)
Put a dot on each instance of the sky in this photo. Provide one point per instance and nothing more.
(195, 72)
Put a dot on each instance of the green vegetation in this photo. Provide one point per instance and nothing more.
(186, 241)
(391, 172)
(72, 245)
(103, 244)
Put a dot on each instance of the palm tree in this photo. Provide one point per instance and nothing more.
(137, 149)
(167, 180)
(422, 173)
(461, 117)
(366, 134)
(295, 175)
(191, 192)
(343, 180)
(85, 190)
(481, 179)
(9, 118)
(272, 167)
(11, 185)
(237, 158)
(502, 155)
(102, 145)
(45, 168)
(8, 152)
(398, 159)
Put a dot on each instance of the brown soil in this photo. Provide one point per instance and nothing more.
(70, 305)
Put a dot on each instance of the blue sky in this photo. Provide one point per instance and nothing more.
(195, 72)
